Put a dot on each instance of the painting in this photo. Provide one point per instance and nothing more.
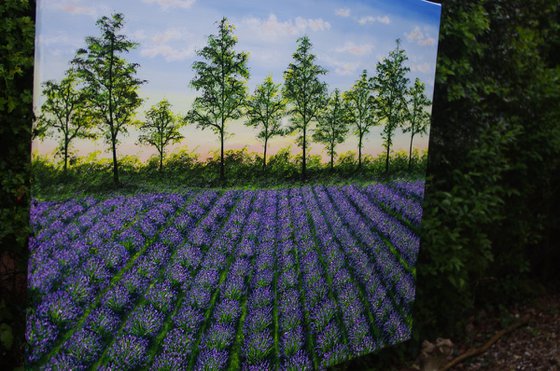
(226, 185)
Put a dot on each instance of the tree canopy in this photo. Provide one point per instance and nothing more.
(161, 128)
(65, 112)
(265, 109)
(390, 85)
(332, 125)
(110, 81)
(305, 92)
(221, 77)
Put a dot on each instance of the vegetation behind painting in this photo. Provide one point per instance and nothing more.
(98, 98)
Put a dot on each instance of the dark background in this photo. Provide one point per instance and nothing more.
(491, 225)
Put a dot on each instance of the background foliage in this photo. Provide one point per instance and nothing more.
(17, 39)
(490, 225)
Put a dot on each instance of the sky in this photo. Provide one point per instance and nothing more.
(347, 36)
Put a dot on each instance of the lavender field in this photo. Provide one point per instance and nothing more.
(291, 279)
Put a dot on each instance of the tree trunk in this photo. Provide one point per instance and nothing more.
(303, 162)
(360, 151)
(65, 171)
(161, 161)
(222, 172)
(387, 159)
(332, 158)
(115, 164)
(264, 155)
(410, 152)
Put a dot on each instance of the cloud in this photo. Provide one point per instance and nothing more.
(81, 10)
(272, 28)
(342, 68)
(59, 39)
(168, 52)
(76, 7)
(371, 19)
(173, 44)
(420, 37)
(342, 12)
(420, 67)
(167, 4)
(167, 35)
(350, 47)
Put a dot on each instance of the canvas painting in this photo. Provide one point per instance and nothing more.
(226, 185)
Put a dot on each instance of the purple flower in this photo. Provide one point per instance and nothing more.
(228, 311)
(292, 341)
(298, 362)
(188, 319)
(63, 361)
(40, 334)
(129, 352)
(161, 296)
(84, 345)
(258, 319)
(211, 359)
(103, 321)
(170, 362)
(219, 336)
(258, 346)
(145, 321)
(178, 341)
(59, 308)
(117, 298)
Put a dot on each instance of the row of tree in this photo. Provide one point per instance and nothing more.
(100, 91)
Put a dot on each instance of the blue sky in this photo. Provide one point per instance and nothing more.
(347, 37)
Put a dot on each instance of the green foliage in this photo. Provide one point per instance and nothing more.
(265, 109)
(111, 86)
(64, 113)
(305, 93)
(332, 125)
(161, 128)
(221, 77)
(361, 110)
(16, 114)
(88, 175)
(489, 224)
(390, 85)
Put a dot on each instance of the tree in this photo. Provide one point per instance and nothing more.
(64, 112)
(305, 93)
(221, 77)
(332, 125)
(418, 118)
(390, 84)
(110, 82)
(161, 128)
(361, 110)
(265, 109)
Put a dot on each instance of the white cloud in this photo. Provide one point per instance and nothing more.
(342, 68)
(420, 67)
(59, 39)
(420, 37)
(342, 12)
(173, 44)
(167, 35)
(168, 52)
(272, 28)
(76, 7)
(371, 19)
(167, 4)
(355, 49)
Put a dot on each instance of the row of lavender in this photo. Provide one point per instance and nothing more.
(301, 278)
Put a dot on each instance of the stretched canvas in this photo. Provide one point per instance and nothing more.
(226, 184)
